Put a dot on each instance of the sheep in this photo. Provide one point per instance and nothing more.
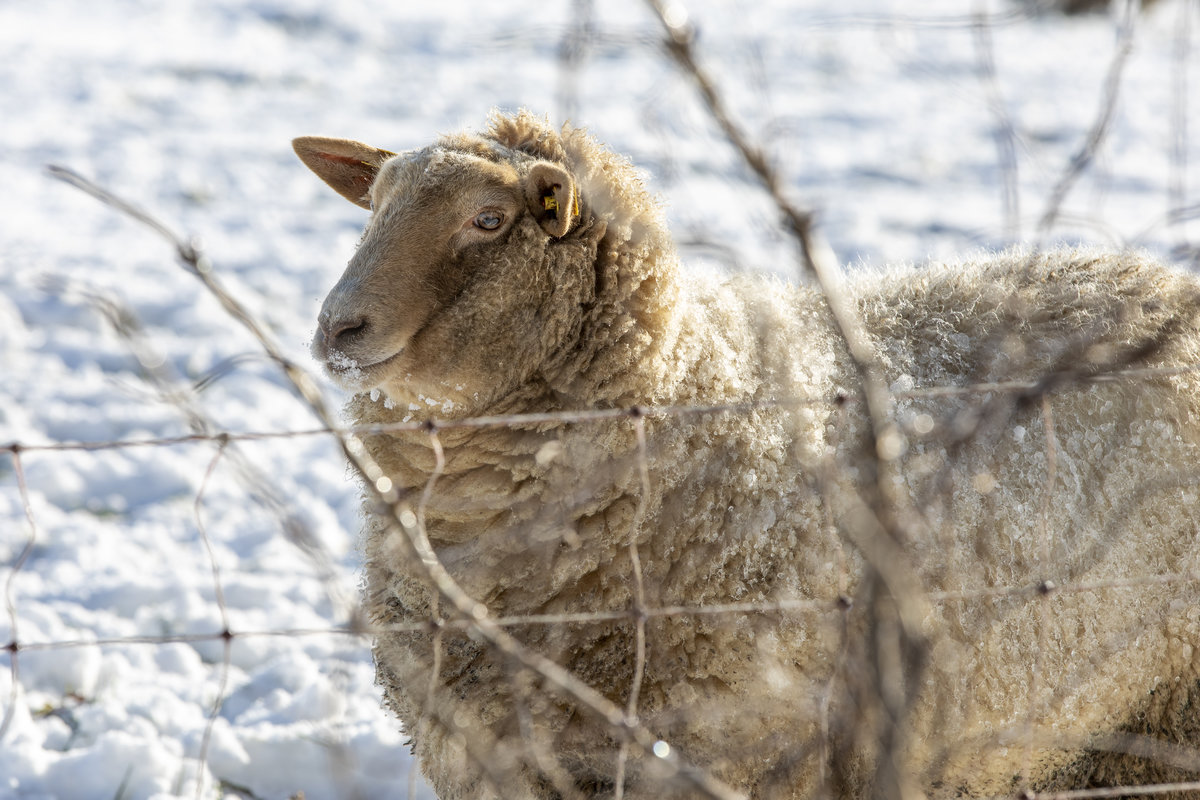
(1047, 518)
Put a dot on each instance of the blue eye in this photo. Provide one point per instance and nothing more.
(488, 220)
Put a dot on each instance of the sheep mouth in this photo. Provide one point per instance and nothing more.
(352, 374)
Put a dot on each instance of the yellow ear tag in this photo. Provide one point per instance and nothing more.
(550, 203)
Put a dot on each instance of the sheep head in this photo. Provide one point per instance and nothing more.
(463, 278)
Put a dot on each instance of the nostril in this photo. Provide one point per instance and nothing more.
(343, 328)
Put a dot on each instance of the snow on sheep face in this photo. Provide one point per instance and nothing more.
(444, 223)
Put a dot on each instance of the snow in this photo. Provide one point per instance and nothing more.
(878, 116)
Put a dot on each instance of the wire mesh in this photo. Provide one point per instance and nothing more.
(895, 594)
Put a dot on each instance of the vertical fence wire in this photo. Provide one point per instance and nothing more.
(896, 592)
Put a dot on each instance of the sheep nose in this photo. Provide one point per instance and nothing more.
(340, 328)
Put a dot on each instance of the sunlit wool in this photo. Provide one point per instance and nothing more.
(1088, 491)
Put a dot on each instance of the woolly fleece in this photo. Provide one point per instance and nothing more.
(759, 506)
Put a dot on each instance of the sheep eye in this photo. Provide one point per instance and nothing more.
(488, 220)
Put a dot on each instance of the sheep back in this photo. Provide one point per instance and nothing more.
(1050, 529)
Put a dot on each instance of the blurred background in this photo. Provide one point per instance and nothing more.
(913, 131)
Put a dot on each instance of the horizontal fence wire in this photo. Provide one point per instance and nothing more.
(871, 397)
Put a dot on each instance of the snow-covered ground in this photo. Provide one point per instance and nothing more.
(878, 112)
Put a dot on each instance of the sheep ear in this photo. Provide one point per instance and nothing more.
(553, 197)
(348, 166)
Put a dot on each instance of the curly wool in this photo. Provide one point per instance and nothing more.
(1090, 488)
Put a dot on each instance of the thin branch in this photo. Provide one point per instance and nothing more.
(639, 595)
(400, 518)
(1100, 124)
(1005, 133)
(14, 646)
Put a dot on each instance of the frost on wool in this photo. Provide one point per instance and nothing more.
(1064, 479)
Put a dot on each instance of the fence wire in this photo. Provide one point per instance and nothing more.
(532, 673)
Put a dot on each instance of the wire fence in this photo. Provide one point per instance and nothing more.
(885, 655)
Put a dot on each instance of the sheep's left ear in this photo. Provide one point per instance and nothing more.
(553, 197)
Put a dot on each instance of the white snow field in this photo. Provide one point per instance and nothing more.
(882, 114)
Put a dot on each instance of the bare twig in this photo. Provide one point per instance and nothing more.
(1100, 124)
(572, 51)
(1005, 134)
(875, 522)
(14, 646)
(639, 600)
(227, 636)
(400, 518)
(1047, 586)
(1177, 187)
